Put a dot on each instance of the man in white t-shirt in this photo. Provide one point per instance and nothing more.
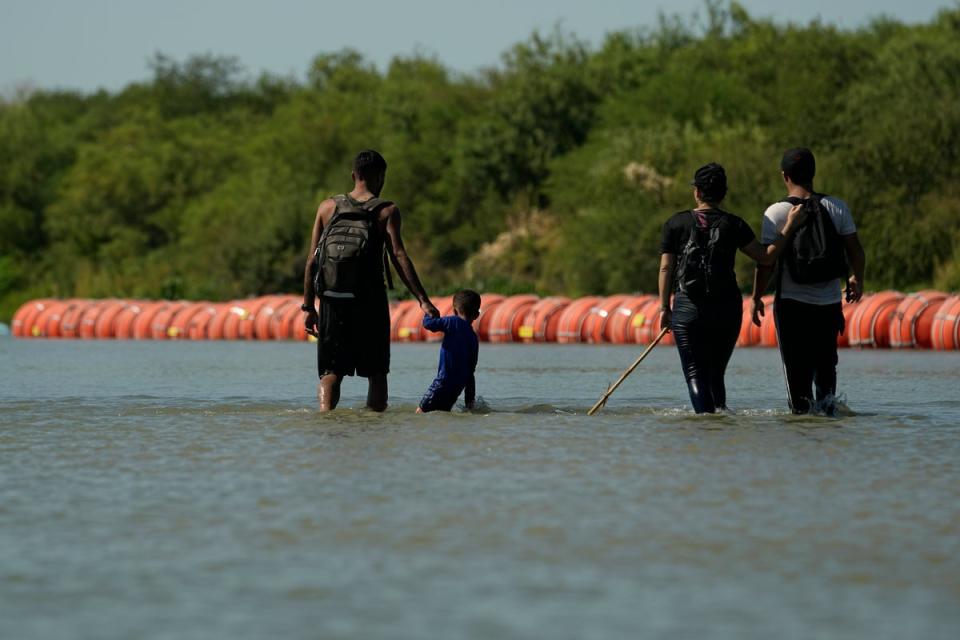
(808, 316)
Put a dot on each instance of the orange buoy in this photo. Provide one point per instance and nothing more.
(397, 311)
(23, 320)
(264, 315)
(143, 324)
(644, 319)
(246, 328)
(279, 325)
(744, 339)
(297, 327)
(70, 323)
(541, 320)
(178, 328)
(488, 305)
(871, 321)
(619, 328)
(767, 331)
(508, 317)
(945, 328)
(570, 324)
(910, 325)
(160, 325)
(216, 323)
(237, 313)
(409, 327)
(595, 323)
(123, 324)
(47, 322)
(16, 323)
(102, 314)
(196, 327)
(445, 306)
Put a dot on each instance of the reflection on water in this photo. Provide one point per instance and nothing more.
(190, 490)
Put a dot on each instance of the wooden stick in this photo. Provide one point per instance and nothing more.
(603, 399)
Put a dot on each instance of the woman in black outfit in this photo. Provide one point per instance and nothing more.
(697, 254)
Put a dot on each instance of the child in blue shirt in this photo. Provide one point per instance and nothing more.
(458, 355)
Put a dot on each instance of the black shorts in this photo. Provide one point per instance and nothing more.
(354, 336)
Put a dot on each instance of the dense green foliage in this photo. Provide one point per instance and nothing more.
(552, 172)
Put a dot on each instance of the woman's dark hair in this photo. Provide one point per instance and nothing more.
(368, 164)
(467, 302)
(711, 180)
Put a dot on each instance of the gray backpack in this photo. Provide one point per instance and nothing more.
(351, 254)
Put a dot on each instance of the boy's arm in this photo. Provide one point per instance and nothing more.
(470, 391)
(434, 323)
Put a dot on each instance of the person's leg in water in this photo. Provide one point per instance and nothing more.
(793, 324)
(377, 392)
(688, 332)
(725, 327)
(829, 324)
(328, 391)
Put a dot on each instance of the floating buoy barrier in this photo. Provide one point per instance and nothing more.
(945, 329)
(913, 319)
(620, 326)
(508, 317)
(570, 325)
(542, 318)
(870, 323)
(488, 306)
(885, 319)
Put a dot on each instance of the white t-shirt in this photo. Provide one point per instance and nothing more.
(829, 292)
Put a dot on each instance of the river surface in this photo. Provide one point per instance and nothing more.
(190, 490)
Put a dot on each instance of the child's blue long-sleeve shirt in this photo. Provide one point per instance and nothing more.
(458, 355)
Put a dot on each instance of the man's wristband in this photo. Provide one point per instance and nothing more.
(307, 307)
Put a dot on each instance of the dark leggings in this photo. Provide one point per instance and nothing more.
(706, 333)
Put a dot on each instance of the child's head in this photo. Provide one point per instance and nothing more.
(466, 304)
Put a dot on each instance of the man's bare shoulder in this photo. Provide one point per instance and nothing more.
(389, 210)
(326, 209)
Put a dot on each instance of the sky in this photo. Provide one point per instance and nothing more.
(92, 44)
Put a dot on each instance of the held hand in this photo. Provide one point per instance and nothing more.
(428, 309)
(757, 310)
(666, 319)
(310, 322)
(795, 217)
(854, 289)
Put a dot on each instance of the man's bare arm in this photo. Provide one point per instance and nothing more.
(308, 294)
(402, 262)
(858, 262)
(761, 280)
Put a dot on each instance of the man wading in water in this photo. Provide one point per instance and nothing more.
(352, 236)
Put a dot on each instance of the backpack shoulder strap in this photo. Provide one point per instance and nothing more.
(374, 204)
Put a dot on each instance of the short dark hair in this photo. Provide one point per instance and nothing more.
(368, 164)
(799, 165)
(711, 180)
(466, 302)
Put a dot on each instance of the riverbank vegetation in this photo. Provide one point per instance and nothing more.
(551, 172)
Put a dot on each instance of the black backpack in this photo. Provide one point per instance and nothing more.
(695, 269)
(347, 259)
(815, 252)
